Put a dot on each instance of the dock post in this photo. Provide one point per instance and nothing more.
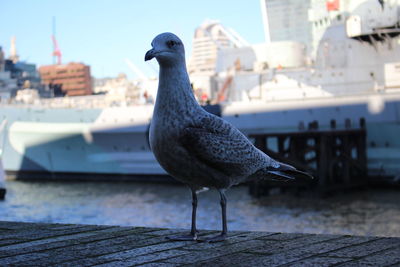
(2, 179)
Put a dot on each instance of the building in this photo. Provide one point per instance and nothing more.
(119, 87)
(8, 85)
(208, 39)
(16, 75)
(2, 59)
(74, 78)
(25, 73)
(14, 57)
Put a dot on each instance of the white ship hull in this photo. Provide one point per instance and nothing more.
(114, 140)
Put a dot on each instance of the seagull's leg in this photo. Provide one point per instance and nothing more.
(223, 235)
(193, 232)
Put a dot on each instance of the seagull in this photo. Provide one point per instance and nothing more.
(197, 148)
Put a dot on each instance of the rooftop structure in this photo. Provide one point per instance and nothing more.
(286, 20)
(74, 78)
(302, 21)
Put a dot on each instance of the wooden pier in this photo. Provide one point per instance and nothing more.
(337, 158)
(38, 244)
(2, 191)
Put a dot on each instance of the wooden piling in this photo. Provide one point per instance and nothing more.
(335, 157)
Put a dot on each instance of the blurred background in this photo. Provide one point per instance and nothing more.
(312, 83)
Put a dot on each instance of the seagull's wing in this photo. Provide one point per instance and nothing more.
(220, 145)
(231, 154)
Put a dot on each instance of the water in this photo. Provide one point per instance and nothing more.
(154, 205)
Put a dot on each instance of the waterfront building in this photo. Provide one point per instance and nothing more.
(8, 84)
(2, 58)
(120, 88)
(74, 78)
(26, 73)
(209, 38)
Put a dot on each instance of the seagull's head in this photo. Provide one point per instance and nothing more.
(167, 49)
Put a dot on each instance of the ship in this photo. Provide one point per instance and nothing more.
(345, 66)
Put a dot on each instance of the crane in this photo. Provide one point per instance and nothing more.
(57, 51)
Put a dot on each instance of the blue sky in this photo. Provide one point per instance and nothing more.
(102, 33)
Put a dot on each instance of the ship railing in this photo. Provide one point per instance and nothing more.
(73, 102)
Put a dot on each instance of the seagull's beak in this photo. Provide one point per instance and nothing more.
(150, 54)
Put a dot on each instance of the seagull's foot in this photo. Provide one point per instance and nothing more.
(189, 237)
(219, 238)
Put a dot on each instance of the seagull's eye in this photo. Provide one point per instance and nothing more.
(171, 43)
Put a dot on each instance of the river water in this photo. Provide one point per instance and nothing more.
(367, 212)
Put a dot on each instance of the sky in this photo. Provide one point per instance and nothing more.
(103, 33)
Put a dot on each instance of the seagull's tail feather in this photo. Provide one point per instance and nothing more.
(289, 175)
(291, 171)
(283, 173)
